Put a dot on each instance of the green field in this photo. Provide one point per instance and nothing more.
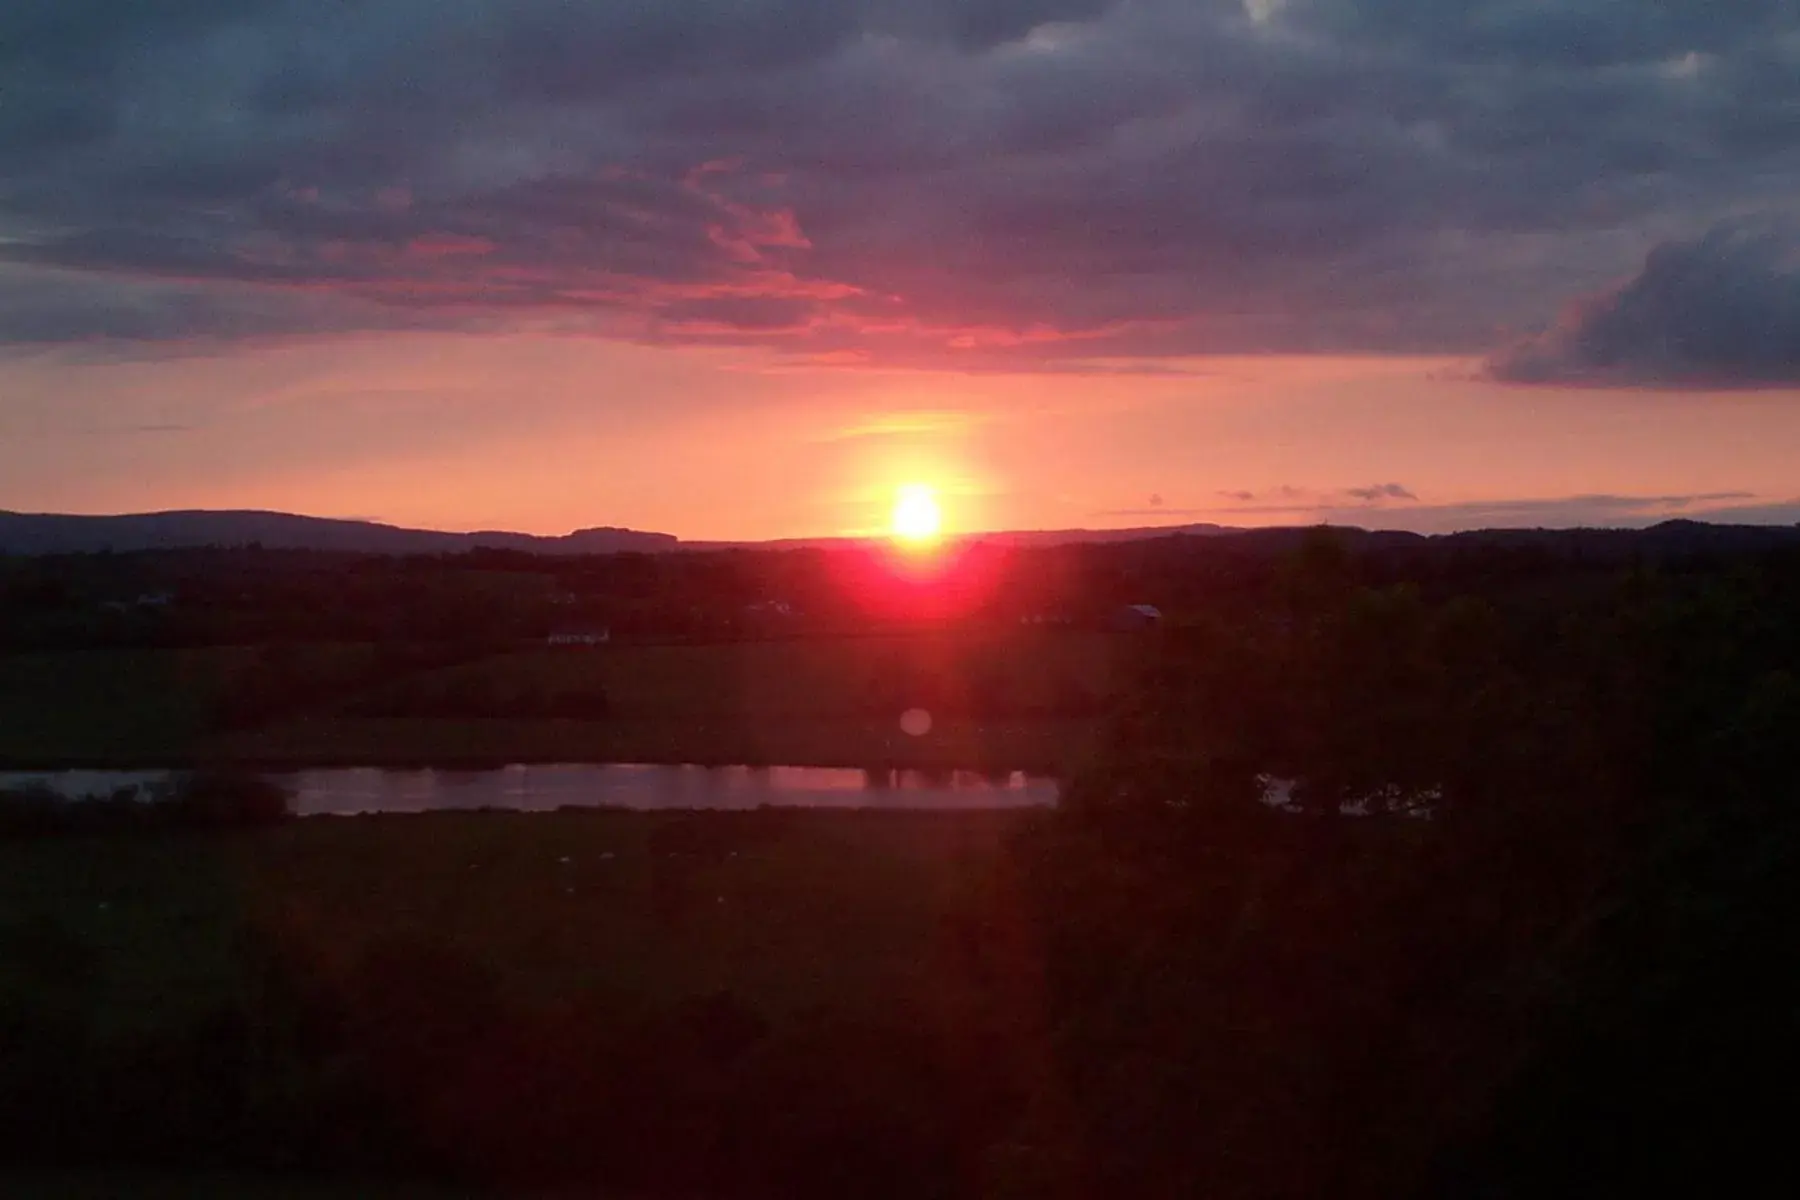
(110, 705)
(794, 908)
(156, 978)
(1005, 699)
(142, 1185)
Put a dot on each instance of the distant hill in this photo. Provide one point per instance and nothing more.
(1676, 537)
(1064, 537)
(1006, 537)
(53, 533)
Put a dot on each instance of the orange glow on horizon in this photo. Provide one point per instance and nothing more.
(453, 431)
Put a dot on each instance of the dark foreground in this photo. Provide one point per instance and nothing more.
(1527, 930)
(999, 698)
(661, 1001)
(207, 1185)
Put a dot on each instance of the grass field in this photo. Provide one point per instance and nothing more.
(1043, 746)
(811, 678)
(110, 704)
(1012, 699)
(138, 1185)
(795, 908)
(591, 936)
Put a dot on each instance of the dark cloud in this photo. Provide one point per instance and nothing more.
(1380, 491)
(1720, 311)
(1581, 33)
(965, 183)
(75, 313)
(1561, 512)
(745, 314)
(1290, 505)
(100, 32)
(1597, 510)
(1770, 513)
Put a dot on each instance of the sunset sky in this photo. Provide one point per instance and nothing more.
(743, 268)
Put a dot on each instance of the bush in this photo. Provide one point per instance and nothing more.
(216, 801)
(200, 802)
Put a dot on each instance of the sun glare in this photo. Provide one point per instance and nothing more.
(916, 515)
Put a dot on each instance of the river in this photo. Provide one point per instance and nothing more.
(343, 791)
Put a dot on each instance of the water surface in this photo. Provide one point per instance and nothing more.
(547, 787)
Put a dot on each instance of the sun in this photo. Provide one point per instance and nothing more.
(917, 518)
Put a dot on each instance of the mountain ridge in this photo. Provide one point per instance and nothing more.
(175, 529)
(36, 534)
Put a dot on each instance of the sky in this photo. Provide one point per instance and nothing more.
(740, 269)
